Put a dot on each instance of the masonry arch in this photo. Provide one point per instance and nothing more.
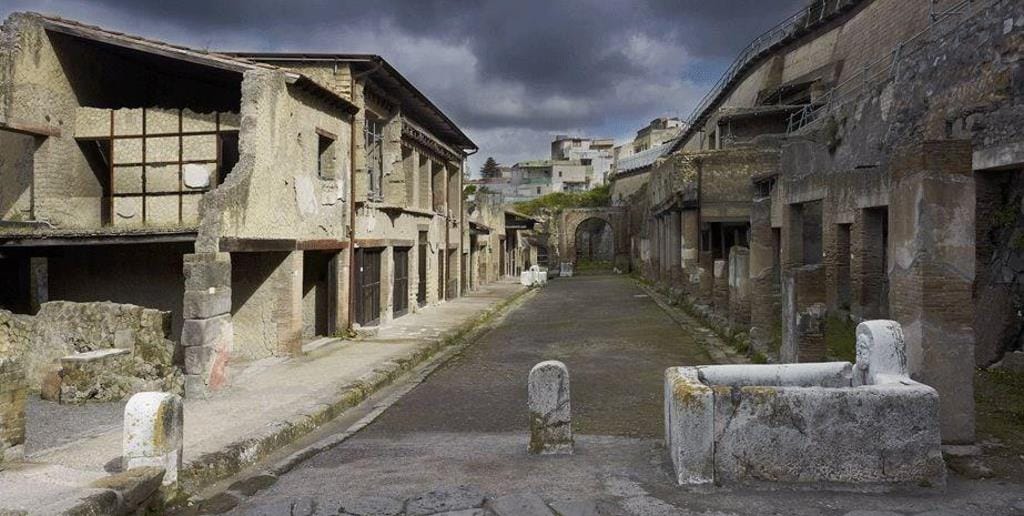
(603, 232)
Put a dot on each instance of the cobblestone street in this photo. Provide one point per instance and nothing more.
(458, 441)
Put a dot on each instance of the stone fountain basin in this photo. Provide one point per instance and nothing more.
(802, 424)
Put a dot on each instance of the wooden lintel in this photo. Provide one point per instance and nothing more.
(249, 245)
(383, 242)
(321, 245)
(29, 129)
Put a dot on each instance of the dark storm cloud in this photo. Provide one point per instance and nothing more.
(529, 67)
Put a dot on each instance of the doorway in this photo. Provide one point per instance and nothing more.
(400, 286)
(368, 286)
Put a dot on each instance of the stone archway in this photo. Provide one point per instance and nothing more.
(612, 217)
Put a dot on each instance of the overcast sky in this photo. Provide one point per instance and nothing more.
(511, 73)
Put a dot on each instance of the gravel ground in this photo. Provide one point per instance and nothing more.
(50, 424)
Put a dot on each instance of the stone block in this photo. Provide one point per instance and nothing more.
(550, 409)
(204, 304)
(881, 351)
(215, 332)
(206, 270)
(197, 358)
(153, 431)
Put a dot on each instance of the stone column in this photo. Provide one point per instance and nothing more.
(207, 334)
(739, 287)
(13, 394)
(691, 236)
(763, 316)
(720, 294)
(674, 251)
(288, 315)
(338, 290)
(931, 271)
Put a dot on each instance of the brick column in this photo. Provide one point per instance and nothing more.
(931, 270)
(13, 394)
(803, 314)
(207, 333)
(763, 316)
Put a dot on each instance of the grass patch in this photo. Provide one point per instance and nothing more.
(841, 338)
(999, 398)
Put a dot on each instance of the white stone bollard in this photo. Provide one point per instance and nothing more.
(881, 350)
(550, 409)
(153, 428)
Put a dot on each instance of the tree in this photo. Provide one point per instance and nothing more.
(490, 169)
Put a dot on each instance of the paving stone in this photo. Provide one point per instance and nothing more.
(466, 512)
(872, 513)
(371, 506)
(444, 499)
(527, 504)
(587, 508)
(219, 504)
(252, 485)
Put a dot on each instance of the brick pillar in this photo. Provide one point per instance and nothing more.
(803, 313)
(830, 257)
(868, 282)
(763, 316)
(13, 393)
(207, 334)
(739, 287)
(931, 270)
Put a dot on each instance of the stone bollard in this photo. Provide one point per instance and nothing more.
(565, 270)
(550, 409)
(153, 428)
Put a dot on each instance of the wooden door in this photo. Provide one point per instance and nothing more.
(368, 286)
(400, 288)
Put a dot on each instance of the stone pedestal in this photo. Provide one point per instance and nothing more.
(931, 272)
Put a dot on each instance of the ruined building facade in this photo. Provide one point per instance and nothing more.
(862, 160)
(259, 202)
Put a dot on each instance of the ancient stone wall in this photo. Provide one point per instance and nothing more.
(12, 409)
(65, 329)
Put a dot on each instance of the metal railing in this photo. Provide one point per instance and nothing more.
(885, 68)
(814, 13)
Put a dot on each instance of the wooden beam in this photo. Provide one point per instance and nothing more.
(29, 129)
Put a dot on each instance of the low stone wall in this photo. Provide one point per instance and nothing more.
(98, 351)
(12, 410)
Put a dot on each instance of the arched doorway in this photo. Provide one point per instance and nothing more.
(595, 242)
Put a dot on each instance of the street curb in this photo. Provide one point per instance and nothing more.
(719, 351)
(212, 467)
